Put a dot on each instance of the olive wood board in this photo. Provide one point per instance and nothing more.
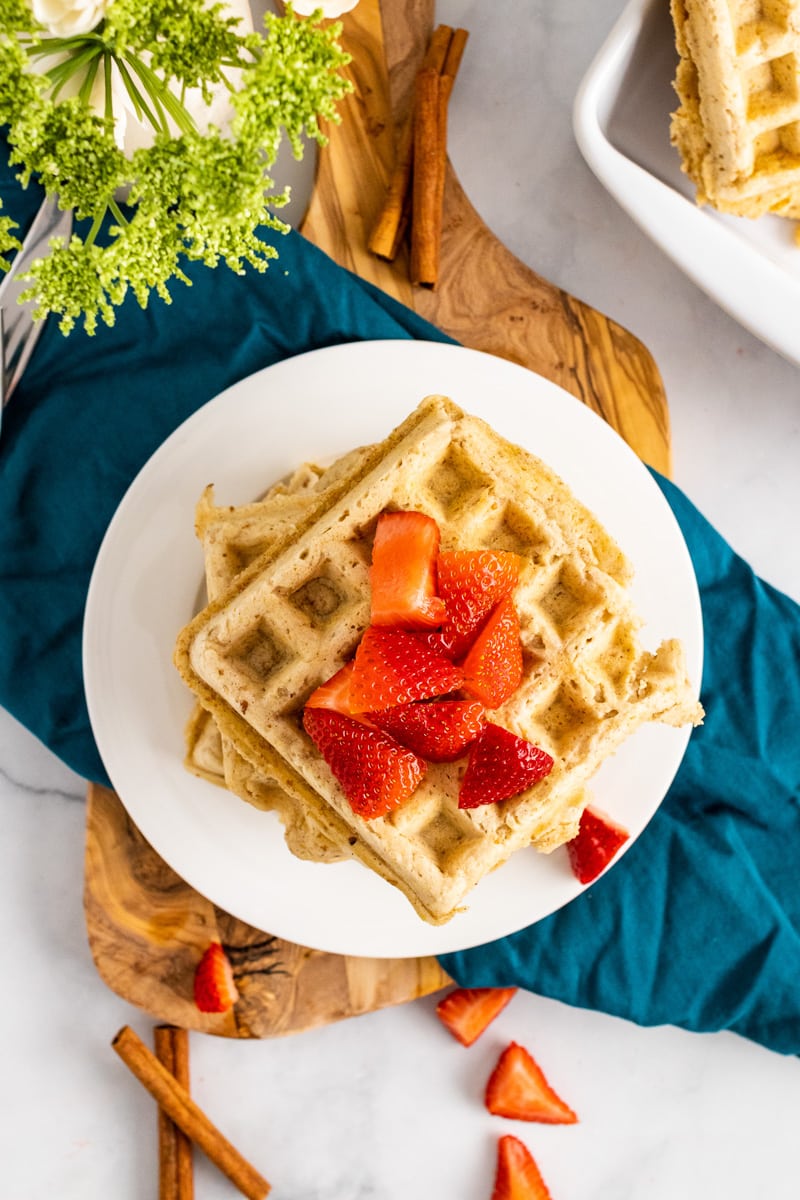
(146, 927)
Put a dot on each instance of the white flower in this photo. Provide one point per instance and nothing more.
(66, 18)
(330, 8)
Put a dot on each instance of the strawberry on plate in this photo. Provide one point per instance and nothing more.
(375, 773)
(467, 1012)
(403, 572)
(501, 765)
(439, 730)
(334, 692)
(493, 666)
(518, 1089)
(214, 987)
(471, 583)
(517, 1176)
(597, 841)
(393, 666)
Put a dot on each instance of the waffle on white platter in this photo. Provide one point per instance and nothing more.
(291, 618)
(233, 537)
(737, 128)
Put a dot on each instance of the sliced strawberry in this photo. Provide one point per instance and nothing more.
(375, 773)
(395, 667)
(466, 1012)
(517, 1177)
(501, 765)
(597, 841)
(517, 1088)
(439, 730)
(471, 582)
(403, 572)
(214, 987)
(335, 692)
(435, 640)
(493, 667)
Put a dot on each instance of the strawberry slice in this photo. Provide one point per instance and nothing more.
(334, 693)
(471, 582)
(396, 667)
(517, 1177)
(435, 640)
(517, 1088)
(501, 765)
(375, 773)
(467, 1012)
(214, 987)
(597, 841)
(403, 572)
(493, 667)
(439, 730)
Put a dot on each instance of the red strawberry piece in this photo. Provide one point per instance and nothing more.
(466, 1012)
(214, 987)
(334, 693)
(403, 572)
(493, 667)
(517, 1177)
(439, 730)
(501, 765)
(471, 582)
(597, 841)
(518, 1089)
(396, 667)
(435, 640)
(375, 773)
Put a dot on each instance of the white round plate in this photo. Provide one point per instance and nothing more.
(147, 580)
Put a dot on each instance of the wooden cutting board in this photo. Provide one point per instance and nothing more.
(146, 926)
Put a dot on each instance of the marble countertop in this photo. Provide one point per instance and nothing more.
(387, 1106)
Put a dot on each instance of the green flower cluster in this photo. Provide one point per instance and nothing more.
(192, 195)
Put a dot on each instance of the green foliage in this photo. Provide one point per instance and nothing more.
(192, 195)
(187, 41)
(293, 81)
(17, 15)
(8, 241)
(68, 143)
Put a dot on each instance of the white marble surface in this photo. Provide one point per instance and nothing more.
(387, 1106)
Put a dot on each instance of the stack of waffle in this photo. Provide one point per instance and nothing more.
(280, 624)
(738, 125)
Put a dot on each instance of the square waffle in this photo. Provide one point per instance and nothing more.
(293, 617)
(231, 538)
(738, 125)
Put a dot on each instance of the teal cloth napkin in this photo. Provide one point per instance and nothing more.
(699, 925)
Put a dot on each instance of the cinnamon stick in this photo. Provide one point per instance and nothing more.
(175, 1167)
(455, 52)
(187, 1115)
(387, 233)
(427, 193)
(452, 60)
(430, 144)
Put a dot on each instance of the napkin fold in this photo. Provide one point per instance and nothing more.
(698, 925)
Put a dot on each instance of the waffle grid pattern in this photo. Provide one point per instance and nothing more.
(738, 124)
(297, 614)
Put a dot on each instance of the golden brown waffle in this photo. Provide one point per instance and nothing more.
(204, 747)
(738, 125)
(232, 537)
(295, 615)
